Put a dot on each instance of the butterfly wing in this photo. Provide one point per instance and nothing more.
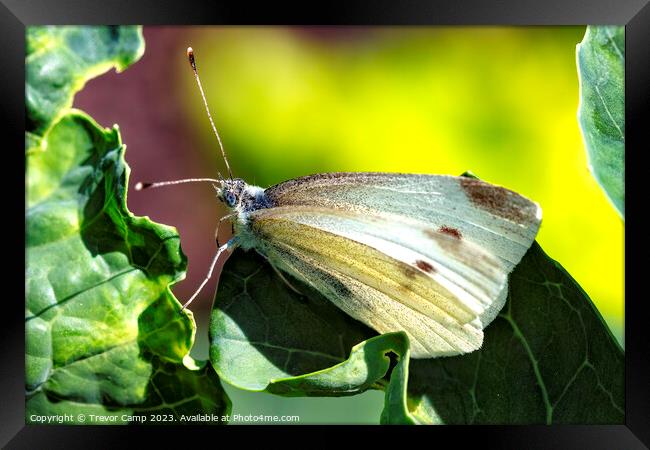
(389, 271)
(494, 218)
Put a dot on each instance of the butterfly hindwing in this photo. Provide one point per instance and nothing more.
(390, 272)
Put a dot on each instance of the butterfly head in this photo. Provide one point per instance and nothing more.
(229, 192)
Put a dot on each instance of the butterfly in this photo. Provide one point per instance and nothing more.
(425, 254)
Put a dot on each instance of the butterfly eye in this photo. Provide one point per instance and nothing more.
(230, 199)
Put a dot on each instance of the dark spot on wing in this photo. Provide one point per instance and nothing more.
(453, 232)
(451, 244)
(499, 201)
(447, 240)
(424, 266)
(461, 250)
(432, 234)
(409, 271)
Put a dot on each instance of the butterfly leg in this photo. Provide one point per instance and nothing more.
(216, 232)
(283, 278)
(229, 246)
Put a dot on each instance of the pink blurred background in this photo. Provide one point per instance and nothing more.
(141, 100)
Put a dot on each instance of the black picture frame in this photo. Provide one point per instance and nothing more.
(15, 15)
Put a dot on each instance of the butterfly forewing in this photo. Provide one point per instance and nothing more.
(499, 220)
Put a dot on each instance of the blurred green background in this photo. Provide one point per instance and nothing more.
(501, 102)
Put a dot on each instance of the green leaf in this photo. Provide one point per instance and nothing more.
(59, 61)
(547, 358)
(266, 337)
(601, 70)
(175, 393)
(261, 331)
(104, 334)
(105, 338)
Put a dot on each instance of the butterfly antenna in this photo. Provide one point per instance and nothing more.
(140, 185)
(190, 56)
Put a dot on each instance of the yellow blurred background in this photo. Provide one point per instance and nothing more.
(500, 102)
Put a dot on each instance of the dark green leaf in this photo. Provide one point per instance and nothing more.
(261, 331)
(601, 69)
(548, 357)
(59, 61)
(104, 334)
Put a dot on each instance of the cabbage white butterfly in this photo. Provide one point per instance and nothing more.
(426, 254)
